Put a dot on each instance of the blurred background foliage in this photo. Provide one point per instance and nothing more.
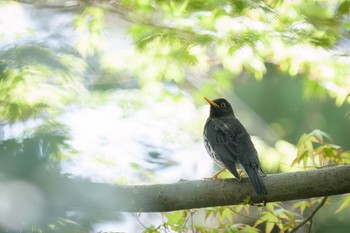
(112, 91)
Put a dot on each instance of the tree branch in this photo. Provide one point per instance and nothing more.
(198, 193)
(311, 215)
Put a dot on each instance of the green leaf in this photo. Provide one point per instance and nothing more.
(269, 227)
(239, 208)
(247, 200)
(152, 229)
(344, 7)
(250, 229)
(226, 214)
(270, 220)
(345, 157)
(273, 205)
(320, 135)
(345, 204)
(176, 219)
(302, 205)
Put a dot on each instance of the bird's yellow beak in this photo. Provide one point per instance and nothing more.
(212, 103)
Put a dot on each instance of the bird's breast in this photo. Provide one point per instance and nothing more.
(211, 151)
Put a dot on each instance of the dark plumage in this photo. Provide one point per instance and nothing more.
(228, 143)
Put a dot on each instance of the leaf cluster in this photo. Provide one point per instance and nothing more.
(90, 25)
(313, 151)
(35, 80)
(240, 37)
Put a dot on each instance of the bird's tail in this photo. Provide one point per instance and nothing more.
(256, 181)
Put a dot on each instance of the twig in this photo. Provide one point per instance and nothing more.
(311, 221)
(192, 225)
(311, 216)
(137, 217)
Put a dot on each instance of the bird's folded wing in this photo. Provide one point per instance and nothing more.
(225, 138)
(223, 134)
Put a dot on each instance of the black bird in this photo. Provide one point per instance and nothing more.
(228, 143)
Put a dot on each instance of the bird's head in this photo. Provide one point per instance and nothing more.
(219, 107)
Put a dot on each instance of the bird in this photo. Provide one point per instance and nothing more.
(228, 143)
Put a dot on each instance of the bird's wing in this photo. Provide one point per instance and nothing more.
(222, 137)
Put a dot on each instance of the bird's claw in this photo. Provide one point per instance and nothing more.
(216, 175)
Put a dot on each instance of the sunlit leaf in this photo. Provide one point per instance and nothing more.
(345, 157)
(320, 135)
(90, 24)
(226, 214)
(344, 204)
(302, 205)
(269, 226)
(249, 229)
(273, 205)
(176, 219)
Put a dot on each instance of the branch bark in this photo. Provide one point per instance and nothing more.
(199, 193)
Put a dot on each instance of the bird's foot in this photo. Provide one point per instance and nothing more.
(248, 201)
(263, 204)
(216, 176)
(241, 173)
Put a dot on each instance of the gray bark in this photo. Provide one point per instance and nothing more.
(199, 193)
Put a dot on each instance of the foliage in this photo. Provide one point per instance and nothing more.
(183, 221)
(36, 80)
(242, 36)
(326, 154)
(90, 26)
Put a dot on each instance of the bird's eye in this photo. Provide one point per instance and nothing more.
(223, 105)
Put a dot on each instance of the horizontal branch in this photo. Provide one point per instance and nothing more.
(200, 193)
